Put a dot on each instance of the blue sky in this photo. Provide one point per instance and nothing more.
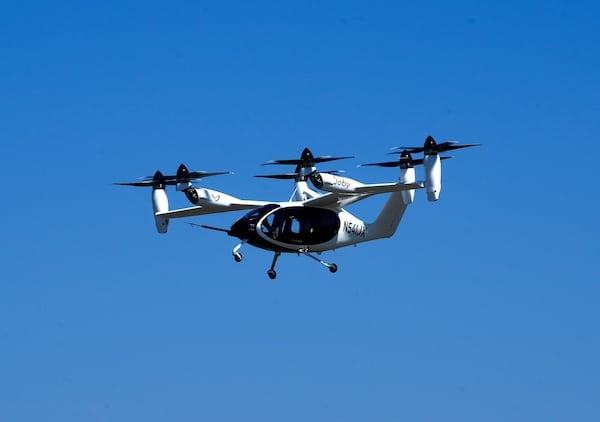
(483, 306)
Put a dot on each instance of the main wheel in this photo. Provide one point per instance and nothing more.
(333, 268)
(238, 257)
(272, 274)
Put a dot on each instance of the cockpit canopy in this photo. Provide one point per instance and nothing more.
(273, 226)
(258, 213)
(300, 225)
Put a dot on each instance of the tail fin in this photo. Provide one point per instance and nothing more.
(387, 221)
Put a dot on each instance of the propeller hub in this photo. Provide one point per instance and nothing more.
(307, 158)
(158, 180)
(430, 147)
(406, 161)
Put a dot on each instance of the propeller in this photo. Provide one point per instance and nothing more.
(183, 176)
(305, 166)
(404, 162)
(282, 176)
(297, 174)
(156, 182)
(306, 160)
(431, 147)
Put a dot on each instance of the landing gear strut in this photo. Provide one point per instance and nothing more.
(237, 256)
(271, 273)
(331, 266)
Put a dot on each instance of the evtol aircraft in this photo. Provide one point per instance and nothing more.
(312, 221)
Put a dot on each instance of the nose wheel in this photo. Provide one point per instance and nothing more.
(237, 256)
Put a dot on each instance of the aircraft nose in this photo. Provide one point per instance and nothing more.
(235, 229)
(242, 228)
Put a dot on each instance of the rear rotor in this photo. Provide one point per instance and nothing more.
(431, 147)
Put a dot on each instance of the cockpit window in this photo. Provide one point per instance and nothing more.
(259, 212)
(267, 224)
(301, 225)
(294, 225)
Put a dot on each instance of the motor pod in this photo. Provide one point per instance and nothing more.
(407, 175)
(332, 183)
(433, 176)
(209, 198)
(160, 202)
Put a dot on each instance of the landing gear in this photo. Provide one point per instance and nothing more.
(271, 273)
(331, 266)
(237, 256)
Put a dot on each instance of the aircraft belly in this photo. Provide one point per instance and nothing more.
(294, 246)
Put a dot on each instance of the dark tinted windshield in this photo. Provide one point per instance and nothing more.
(259, 212)
(301, 225)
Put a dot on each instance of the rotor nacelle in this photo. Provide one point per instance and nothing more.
(432, 163)
(333, 183)
(433, 176)
(408, 175)
(160, 202)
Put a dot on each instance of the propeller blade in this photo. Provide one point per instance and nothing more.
(306, 160)
(449, 146)
(202, 174)
(156, 182)
(410, 150)
(295, 175)
(285, 162)
(139, 184)
(317, 160)
(327, 159)
(400, 163)
(383, 164)
(431, 147)
(193, 175)
(278, 176)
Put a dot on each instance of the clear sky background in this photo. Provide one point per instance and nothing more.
(483, 307)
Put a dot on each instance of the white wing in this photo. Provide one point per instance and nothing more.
(212, 209)
(378, 188)
(342, 199)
